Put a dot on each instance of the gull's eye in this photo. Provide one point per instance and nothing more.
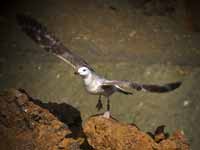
(84, 70)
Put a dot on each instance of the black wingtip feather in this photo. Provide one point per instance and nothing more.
(162, 89)
(25, 20)
(31, 27)
(38, 33)
(175, 85)
(28, 24)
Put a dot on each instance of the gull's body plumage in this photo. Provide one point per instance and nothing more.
(93, 83)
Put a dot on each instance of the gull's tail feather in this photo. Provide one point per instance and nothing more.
(39, 34)
(156, 88)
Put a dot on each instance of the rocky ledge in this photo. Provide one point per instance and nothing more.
(30, 124)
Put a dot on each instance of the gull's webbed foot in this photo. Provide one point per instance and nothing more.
(99, 105)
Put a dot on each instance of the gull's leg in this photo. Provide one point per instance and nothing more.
(107, 113)
(99, 105)
(108, 104)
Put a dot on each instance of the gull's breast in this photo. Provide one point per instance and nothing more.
(93, 86)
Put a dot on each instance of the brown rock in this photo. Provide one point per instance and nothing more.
(159, 134)
(109, 134)
(106, 134)
(176, 141)
(26, 126)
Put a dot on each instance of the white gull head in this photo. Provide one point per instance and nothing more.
(84, 71)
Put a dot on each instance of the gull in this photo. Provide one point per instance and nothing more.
(94, 83)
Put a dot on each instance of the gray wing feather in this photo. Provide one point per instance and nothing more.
(49, 42)
(144, 87)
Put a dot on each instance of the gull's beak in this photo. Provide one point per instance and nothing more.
(76, 73)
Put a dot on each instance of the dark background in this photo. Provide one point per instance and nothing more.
(149, 41)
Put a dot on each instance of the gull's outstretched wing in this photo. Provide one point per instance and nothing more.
(144, 87)
(49, 42)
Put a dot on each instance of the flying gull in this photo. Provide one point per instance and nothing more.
(93, 83)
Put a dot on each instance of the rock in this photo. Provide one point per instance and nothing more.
(29, 124)
(159, 134)
(104, 134)
(176, 141)
(25, 125)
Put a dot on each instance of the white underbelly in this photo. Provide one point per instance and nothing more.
(94, 89)
(93, 84)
